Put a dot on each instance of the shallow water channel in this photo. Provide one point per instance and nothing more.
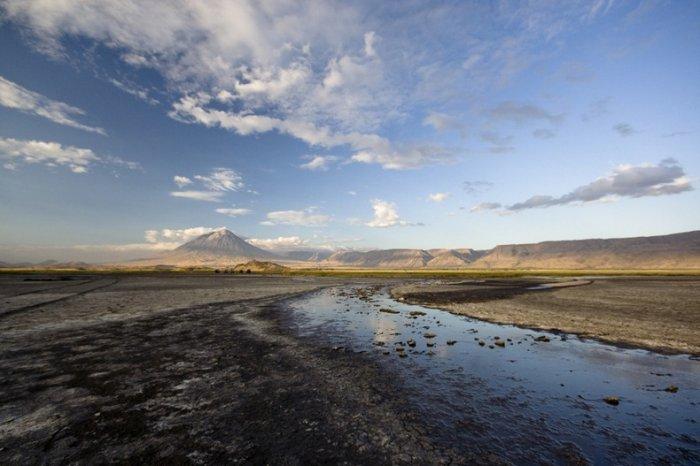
(527, 400)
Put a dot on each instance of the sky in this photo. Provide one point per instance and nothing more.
(127, 127)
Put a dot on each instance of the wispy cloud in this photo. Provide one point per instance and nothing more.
(208, 196)
(51, 154)
(476, 187)
(14, 96)
(309, 217)
(233, 211)
(319, 162)
(523, 113)
(624, 129)
(631, 181)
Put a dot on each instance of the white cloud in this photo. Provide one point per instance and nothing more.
(281, 243)
(175, 235)
(14, 96)
(234, 211)
(438, 197)
(181, 181)
(633, 181)
(308, 217)
(386, 215)
(319, 162)
(313, 70)
(217, 182)
(53, 154)
(208, 196)
(222, 179)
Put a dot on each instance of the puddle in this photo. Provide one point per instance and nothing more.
(529, 401)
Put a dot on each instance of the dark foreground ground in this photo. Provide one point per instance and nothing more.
(207, 383)
(193, 369)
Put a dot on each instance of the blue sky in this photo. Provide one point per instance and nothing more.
(126, 128)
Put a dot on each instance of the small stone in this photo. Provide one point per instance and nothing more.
(671, 389)
(500, 343)
(429, 335)
(612, 400)
(542, 338)
(411, 342)
(386, 310)
(451, 342)
(482, 342)
(416, 313)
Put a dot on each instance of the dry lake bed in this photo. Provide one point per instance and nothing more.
(308, 370)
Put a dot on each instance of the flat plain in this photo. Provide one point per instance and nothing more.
(184, 368)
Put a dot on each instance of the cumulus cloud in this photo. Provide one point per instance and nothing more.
(14, 96)
(438, 197)
(233, 211)
(281, 243)
(632, 181)
(181, 181)
(208, 196)
(386, 215)
(319, 162)
(624, 129)
(175, 235)
(53, 154)
(308, 70)
(328, 73)
(308, 217)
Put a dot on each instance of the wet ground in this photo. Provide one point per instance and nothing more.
(534, 397)
(658, 313)
(277, 370)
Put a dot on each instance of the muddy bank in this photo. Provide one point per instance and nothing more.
(660, 314)
(208, 383)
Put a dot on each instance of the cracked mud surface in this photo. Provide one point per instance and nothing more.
(117, 375)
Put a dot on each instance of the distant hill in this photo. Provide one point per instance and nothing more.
(681, 250)
(220, 247)
(383, 258)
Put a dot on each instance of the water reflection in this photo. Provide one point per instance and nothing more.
(534, 401)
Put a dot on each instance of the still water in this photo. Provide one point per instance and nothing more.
(530, 401)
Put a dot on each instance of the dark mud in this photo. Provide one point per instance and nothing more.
(208, 384)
